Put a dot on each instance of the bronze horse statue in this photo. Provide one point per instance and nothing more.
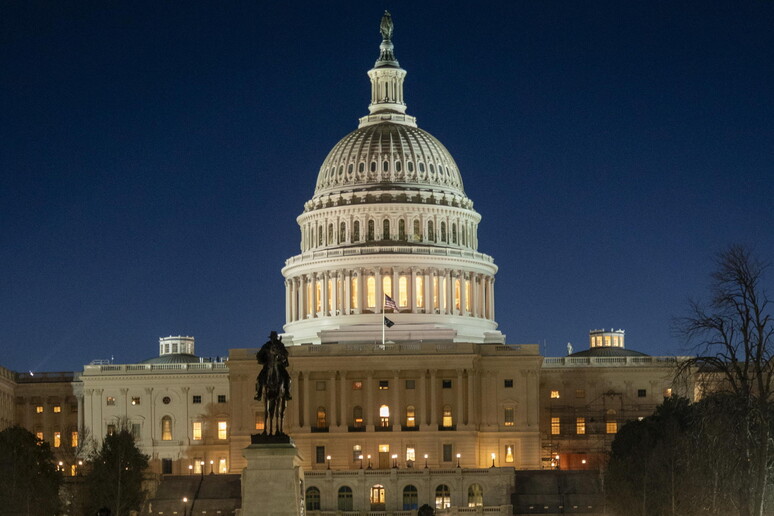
(273, 384)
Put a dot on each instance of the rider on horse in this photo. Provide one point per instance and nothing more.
(274, 358)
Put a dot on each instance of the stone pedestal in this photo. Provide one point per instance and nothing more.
(272, 482)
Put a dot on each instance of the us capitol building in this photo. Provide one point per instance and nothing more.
(436, 408)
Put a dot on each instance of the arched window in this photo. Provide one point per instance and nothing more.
(475, 496)
(166, 428)
(349, 169)
(312, 499)
(411, 420)
(386, 230)
(357, 416)
(371, 292)
(410, 498)
(454, 233)
(447, 420)
(356, 231)
(402, 230)
(345, 498)
(419, 290)
(410, 166)
(384, 416)
(385, 166)
(377, 497)
(397, 166)
(343, 232)
(387, 285)
(361, 167)
(442, 497)
(432, 168)
(417, 234)
(322, 418)
(370, 235)
(403, 291)
(373, 166)
(430, 231)
(421, 166)
(353, 292)
(443, 231)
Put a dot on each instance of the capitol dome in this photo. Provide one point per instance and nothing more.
(389, 236)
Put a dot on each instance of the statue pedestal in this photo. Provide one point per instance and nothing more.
(272, 482)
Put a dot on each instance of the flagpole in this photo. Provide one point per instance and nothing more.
(383, 325)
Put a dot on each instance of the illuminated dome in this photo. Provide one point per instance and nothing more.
(389, 221)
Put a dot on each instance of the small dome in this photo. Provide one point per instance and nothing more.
(608, 351)
(174, 358)
(388, 153)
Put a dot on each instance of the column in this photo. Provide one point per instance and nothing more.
(397, 411)
(422, 416)
(379, 302)
(369, 411)
(81, 415)
(463, 293)
(288, 297)
(412, 290)
(333, 421)
(459, 418)
(449, 293)
(302, 286)
(360, 292)
(344, 388)
(346, 304)
(433, 399)
(303, 420)
(429, 306)
(324, 294)
(470, 413)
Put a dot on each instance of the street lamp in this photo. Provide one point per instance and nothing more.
(361, 461)
(369, 462)
(329, 461)
(493, 458)
(202, 467)
(425, 461)
(212, 464)
(458, 460)
(185, 505)
(394, 460)
(190, 469)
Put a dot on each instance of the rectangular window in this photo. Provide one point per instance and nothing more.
(384, 385)
(419, 291)
(136, 431)
(111, 429)
(468, 295)
(555, 395)
(73, 470)
(353, 292)
(197, 465)
(73, 439)
(39, 435)
(57, 408)
(509, 416)
(508, 453)
(667, 393)
(435, 292)
(319, 454)
(135, 400)
(357, 452)
(38, 409)
(222, 430)
(222, 465)
(196, 433)
(447, 452)
(446, 384)
(357, 386)
(110, 400)
(259, 424)
(509, 383)
(555, 427)
(166, 466)
(320, 385)
(411, 453)
(196, 399)
(221, 398)
(580, 393)
(580, 425)
(611, 427)
(411, 384)
(641, 393)
(57, 439)
(403, 291)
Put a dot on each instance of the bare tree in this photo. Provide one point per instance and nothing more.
(733, 338)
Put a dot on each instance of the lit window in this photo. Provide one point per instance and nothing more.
(554, 394)
(384, 385)
(197, 431)
(447, 421)
(509, 453)
(110, 400)
(322, 418)
(475, 496)
(555, 427)
(411, 453)
(580, 425)
(468, 295)
(166, 428)
(197, 465)
(377, 497)
(403, 291)
(57, 439)
(135, 400)
(435, 292)
(442, 497)
(357, 452)
(111, 429)
(39, 436)
(384, 416)
(419, 290)
(509, 416)
(259, 425)
(387, 285)
(318, 294)
(73, 470)
(222, 465)
(356, 386)
(73, 439)
(667, 393)
(457, 294)
(611, 427)
(411, 416)
(197, 399)
(57, 408)
(353, 292)
(222, 430)
(580, 393)
(371, 292)
(38, 409)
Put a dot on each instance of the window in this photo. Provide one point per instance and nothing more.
(357, 452)
(419, 291)
(370, 234)
(38, 409)
(430, 231)
(196, 433)
(166, 466)
(355, 231)
(411, 420)
(417, 233)
(580, 425)
(320, 385)
(377, 497)
(411, 453)
(39, 436)
(222, 430)
(447, 452)
(508, 453)
(166, 428)
(110, 400)
(410, 498)
(411, 384)
(580, 393)
(222, 465)
(667, 393)
(446, 420)
(111, 429)
(357, 416)
(345, 498)
(353, 293)
(73, 470)
(57, 408)
(387, 286)
(508, 416)
(322, 418)
(165, 400)
(446, 384)
(259, 423)
(135, 400)
(319, 454)
(555, 427)
(641, 393)
(457, 294)
(384, 385)
(136, 431)
(356, 386)
(442, 497)
(57, 439)
(197, 399)
(312, 499)
(221, 398)
(475, 496)
(371, 292)
(443, 231)
(403, 291)
(509, 383)
(384, 416)
(554, 395)
(73, 439)
(611, 424)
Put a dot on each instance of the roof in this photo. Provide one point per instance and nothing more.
(608, 351)
(174, 358)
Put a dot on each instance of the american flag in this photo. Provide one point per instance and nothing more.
(390, 302)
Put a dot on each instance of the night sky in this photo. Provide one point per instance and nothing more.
(154, 157)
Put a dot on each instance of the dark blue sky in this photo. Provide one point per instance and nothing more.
(154, 156)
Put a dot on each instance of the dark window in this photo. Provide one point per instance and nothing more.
(508, 384)
(446, 384)
(166, 466)
(221, 398)
(411, 384)
(197, 398)
(313, 499)
(319, 454)
(447, 452)
(384, 385)
(345, 498)
(410, 498)
(641, 393)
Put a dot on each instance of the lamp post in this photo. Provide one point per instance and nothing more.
(394, 460)
(202, 467)
(190, 469)
(212, 465)
(425, 461)
(185, 505)
(328, 458)
(369, 462)
(493, 458)
(458, 460)
(80, 465)
(361, 461)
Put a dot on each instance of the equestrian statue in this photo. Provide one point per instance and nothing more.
(273, 384)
